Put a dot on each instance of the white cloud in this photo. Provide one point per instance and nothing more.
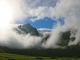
(44, 29)
(69, 9)
(12, 39)
(44, 32)
(22, 9)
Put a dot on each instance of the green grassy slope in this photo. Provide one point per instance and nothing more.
(6, 56)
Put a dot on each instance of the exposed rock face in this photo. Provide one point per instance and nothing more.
(27, 28)
(64, 38)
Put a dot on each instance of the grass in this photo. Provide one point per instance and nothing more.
(7, 56)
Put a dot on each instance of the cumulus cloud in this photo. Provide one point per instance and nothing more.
(70, 11)
(55, 9)
(44, 31)
(12, 39)
(22, 9)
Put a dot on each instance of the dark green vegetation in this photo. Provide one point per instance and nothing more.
(7, 56)
(73, 51)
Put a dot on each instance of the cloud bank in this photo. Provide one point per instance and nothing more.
(39, 9)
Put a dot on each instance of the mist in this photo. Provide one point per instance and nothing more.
(24, 9)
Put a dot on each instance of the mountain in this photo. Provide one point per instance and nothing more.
(70, 51)
(45, 34)
(65, 38)
(27, 28)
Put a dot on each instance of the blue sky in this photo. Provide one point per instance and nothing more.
(44, 23)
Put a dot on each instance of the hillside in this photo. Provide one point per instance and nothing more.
(7, 56)
(68, 52)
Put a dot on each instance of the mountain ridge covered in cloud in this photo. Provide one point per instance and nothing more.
(42, 51)
(45, 34)
(27, 28)
(67, 10)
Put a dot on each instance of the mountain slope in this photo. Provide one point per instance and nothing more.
(27, 28)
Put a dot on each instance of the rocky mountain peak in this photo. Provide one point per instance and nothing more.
(27, 28)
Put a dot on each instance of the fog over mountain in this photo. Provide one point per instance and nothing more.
(35, 10)
(27, 28)
(26, 36)
(44, 31)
